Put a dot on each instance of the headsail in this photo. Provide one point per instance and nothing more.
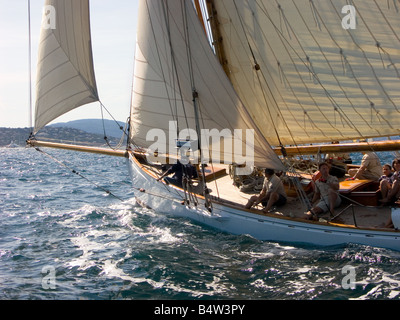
(174, 59)
(65, 78)
(328, 70)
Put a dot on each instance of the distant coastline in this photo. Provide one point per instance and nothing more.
(87, 132)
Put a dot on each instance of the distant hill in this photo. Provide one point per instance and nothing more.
(95, 126)
(83, 132)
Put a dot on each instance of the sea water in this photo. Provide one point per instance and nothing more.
(63, 237)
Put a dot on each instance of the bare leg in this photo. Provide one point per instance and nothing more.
(384, 188)
(396, 192)
(393, 192)
(389, 223)
(333, 195)
(273, 197)
(251, 201)
(313, 214)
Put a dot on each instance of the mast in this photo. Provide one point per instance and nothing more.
(199, 14)
(30, 68)
(216, 36)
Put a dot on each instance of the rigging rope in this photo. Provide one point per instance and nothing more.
(196, 107)
(368, 61)
(142, 190)
(30, 68)
(123, 129)
(78, 174)
(258, 68)
(336, 106)
(174, 72)
(176, 82)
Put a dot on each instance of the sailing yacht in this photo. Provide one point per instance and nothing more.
(234, 87)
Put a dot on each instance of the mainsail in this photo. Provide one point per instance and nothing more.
(65, 78)
(326, 70)
(177, 72)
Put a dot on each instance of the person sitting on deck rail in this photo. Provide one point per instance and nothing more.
(272, 193)
(370, 169)
(393, 192)
(187, 171)
(326, 193)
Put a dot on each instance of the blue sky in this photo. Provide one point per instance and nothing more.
(113, 26)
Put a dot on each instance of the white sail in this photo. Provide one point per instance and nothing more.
(65, 78)
(174, 58)
(329, 70)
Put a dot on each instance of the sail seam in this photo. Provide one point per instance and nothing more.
(55, 87)
(344, 58)
(278, 108)
(337, 106)
(368, 62)
(257, 69)
(283, 41)
(164, 80)
(61, 101)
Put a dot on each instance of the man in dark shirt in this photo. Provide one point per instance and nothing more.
(180, 171)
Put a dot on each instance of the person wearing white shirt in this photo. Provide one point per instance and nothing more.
(326, 193)
(272, 193)
(370, 169)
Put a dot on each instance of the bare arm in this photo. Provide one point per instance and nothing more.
(334, 185)
(360, 172)
(261, 196)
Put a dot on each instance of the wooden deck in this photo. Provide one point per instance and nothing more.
(350, 213)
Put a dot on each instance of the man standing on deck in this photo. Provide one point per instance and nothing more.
(326, 191)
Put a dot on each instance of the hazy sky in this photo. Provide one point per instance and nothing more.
(113, 26)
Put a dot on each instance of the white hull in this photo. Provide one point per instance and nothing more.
(235, 220)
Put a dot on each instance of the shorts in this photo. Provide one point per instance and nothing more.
(324, 203)
(280, 202)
